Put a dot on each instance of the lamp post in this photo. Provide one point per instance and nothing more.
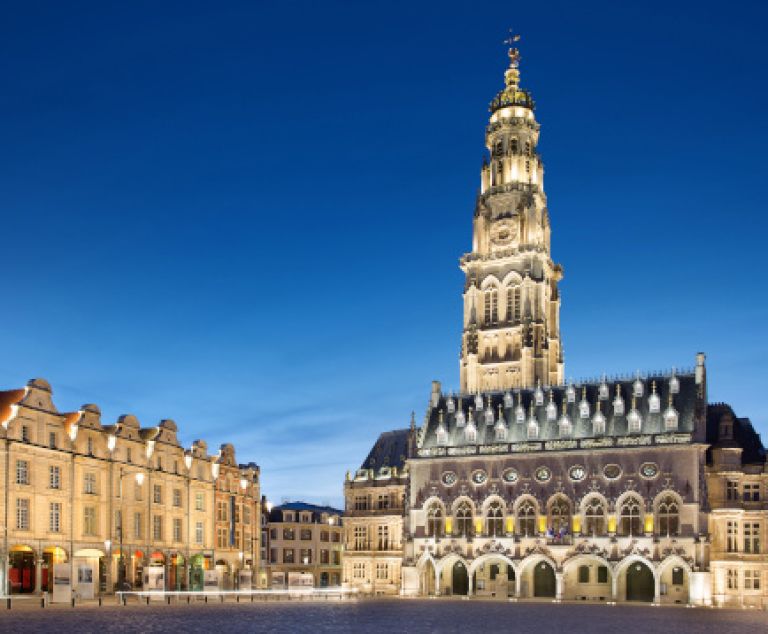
(121, 563)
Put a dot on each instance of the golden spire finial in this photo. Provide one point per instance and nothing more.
(514, 54)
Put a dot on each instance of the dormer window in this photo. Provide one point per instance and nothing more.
(450, 406)
(584, 404)
(479, 402)
(598, 422)
(538, 395)
(470, 433)
(520, 413)
(654, 402)
(551, 409)
(533, 429)
(508, 401)
(670, 419)
(634, 420)
(618, 402)
(461, 419)
(674, 383)
(489, 416)
(564, 425)
(637, 388)
(442, 436)
(602, 391)
(501, 431)
(570, 394)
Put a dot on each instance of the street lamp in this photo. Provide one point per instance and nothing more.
(121, 566)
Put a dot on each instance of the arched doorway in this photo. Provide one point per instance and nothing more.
(543, 580)
(640, 583)
(428, 579)
(460, 579)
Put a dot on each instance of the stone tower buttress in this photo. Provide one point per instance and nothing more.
(511, 330)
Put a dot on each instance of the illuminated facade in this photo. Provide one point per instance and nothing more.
(511, 336)
(616, 489)
(125, 502)
(375, 497)
(304, 545)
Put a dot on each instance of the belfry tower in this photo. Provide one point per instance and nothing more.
(511, 334)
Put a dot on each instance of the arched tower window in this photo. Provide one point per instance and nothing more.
(495, 520)
(514, 147)
(594, 516)
(492, 306)
(527, 148)
(499, 172)
(631, 516)
(526, 518)
(668, 514)
(464, 520)
(435, 521)
(513, 303)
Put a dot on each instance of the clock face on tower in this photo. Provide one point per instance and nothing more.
(503, 233)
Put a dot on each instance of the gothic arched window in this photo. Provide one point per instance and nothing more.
(495, 519)
(594, 516)
(631, 516)
(560, 516)
(464, 519)
(668, 514)
(492, 306)
(513, 303)
(435, 520)
(526, 518)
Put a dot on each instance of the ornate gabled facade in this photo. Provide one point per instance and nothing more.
(127, 505)
(511, 334)
(375, 498)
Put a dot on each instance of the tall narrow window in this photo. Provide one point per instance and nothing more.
(22, 472)
(435, 521)
(594, 514)
(464, 520)
(731, 537)
(383, 535)
(526, 518)
(631, 516)
(492, 306)
(89, 520)
(89, 483)
(54, 477)
(560, 516)
(22, 514)
(54, 517)
(669, 516)
(495, 520)
(752, 538)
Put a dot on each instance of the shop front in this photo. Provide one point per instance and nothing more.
(21, 570)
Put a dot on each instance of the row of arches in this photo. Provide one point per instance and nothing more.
(585, 577)
(560, 516)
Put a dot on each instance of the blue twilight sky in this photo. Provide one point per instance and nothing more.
(247, 216)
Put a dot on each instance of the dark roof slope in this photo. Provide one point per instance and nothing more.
(276, 515)
(744, 434)
(390, 450)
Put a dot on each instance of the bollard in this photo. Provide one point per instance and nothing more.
(147, 599)
(73, 602)
(187, 599)
(99, 601)
(168, 599)
(221, 596)
(8, 600)
(238, 598)
(206, 598)
(251, 597)
(42, 602)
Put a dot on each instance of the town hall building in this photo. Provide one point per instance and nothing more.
(522, 485)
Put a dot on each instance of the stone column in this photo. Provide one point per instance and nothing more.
(437, 581)
(38, 574)
(558, 586)
(518, 583)
(656, 589)
(614, 586)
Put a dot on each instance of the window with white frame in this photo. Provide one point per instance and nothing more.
(731, 537)
(22, 514)
(177, 497)
(199, 501)
(89, 483)
(358, 571)
(157, 494)
(22, 472)
(751, 579)
(176, 529)
(89, 520)
(733, 579)
(54, 517)
(383, 535)
(361, 537)
(157, 527)
(198, 532)
(54, 477)
(752, 538)
(137, 525)
(382, 571)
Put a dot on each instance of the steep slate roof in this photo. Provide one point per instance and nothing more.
(277, 516)
(744, 434)
(390, 450)
(686, 402)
